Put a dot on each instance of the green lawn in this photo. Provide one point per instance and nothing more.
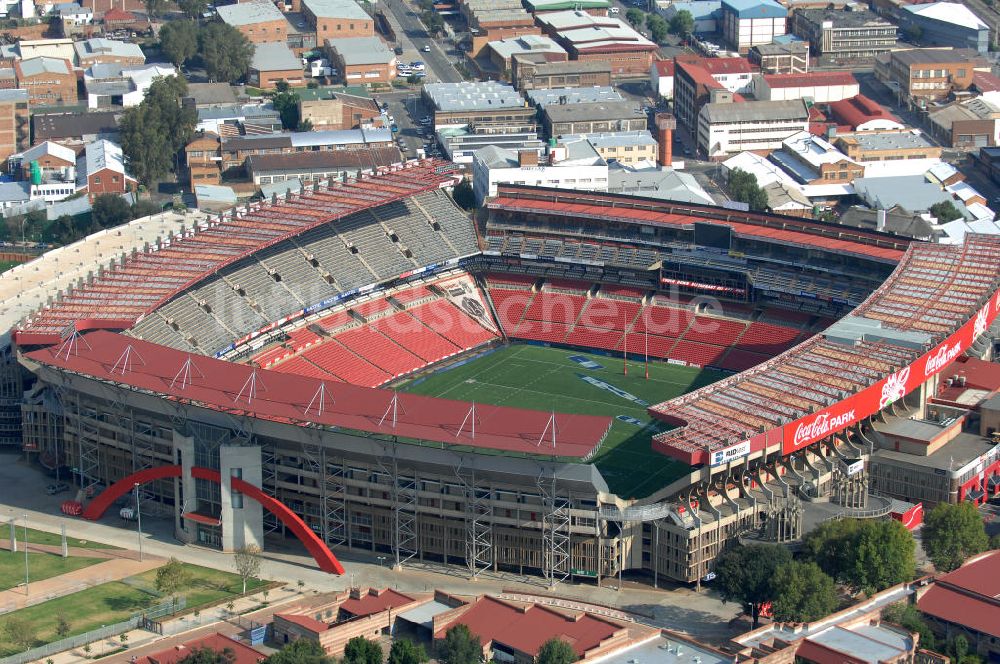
(40, 566)
(6, 265)
(207, 585)
(544, 378)
(54, 539)
(114, 602)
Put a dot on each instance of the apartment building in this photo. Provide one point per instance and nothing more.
(203, 158)
(727, 128)
(844, 35)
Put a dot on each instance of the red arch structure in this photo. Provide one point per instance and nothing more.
(317, 548)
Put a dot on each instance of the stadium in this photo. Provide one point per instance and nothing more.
(572, 384)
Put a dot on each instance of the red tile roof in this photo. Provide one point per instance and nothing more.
(726, 65)
(116, 14)
(857, 110)
(985, 81)
(217, 642)
(304, 621)
(375, 601)
(527, 628)
(812, 79)
(664, 67)
(968, 596)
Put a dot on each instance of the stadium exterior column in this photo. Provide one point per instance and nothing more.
(242, 518)
(184, 486)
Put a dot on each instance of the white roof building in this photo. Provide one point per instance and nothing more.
(573, 165)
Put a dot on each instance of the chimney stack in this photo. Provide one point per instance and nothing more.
(665, 125)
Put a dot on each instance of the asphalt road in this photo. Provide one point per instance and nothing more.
(413, 37)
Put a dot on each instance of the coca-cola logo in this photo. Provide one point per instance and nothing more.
(980, 325)
(820, 426)
(894, 387)
(942, 358)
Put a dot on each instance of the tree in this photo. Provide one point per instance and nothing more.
(960, 646)
(110, 210)
(743, 574)
(179, 41)
(802, 593)
(829, 545)
(952, 533)
(682, 23)
(287, 106)
(300, 651)
(154, 131)
(883, 556)
(63, 626)
(154, 7)
(225, 52)
(945, 211)
(460, 646)
(635, 16)
(123, 637)
(556, 651)
(743, 187)
(246, 560)
(206, 655)
(657, 26)
(908, 617)
(86, 650)
(360, 650)
(21, 632)
(404, 651)
(172, 577)
(192, 8)
(995, 541)
(463, 195)
(913, 33)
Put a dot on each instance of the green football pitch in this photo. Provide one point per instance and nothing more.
(542, 378)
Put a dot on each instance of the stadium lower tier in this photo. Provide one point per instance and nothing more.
(378, 340)
(628, 321)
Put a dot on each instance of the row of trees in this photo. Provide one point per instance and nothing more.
(222, 50)
(680, 24)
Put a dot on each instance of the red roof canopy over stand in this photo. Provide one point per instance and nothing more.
(281, 397)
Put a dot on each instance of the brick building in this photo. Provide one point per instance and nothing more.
(260, 20)
(362, 59)
(589, 38)
(925, 74)
(201, 156)
(337, 19)
(340, 111)
(964, 602)
(528, 73)
(101, 170)
(696, 78)
(107, 51)
(15, 124)
(47, 80)
(273, 62)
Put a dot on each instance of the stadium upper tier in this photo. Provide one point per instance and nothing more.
(932, 308)
(143, 281)
(305, 401)
(590, 207)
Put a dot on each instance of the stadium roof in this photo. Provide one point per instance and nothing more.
(292, 399)
(769, 228)
(931, 308)
(120, 296)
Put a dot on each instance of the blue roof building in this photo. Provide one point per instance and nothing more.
(747, 23)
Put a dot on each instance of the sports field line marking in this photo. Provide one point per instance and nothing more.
(633, 363)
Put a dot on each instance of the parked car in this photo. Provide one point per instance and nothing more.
(426, 48)
(58, 487)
